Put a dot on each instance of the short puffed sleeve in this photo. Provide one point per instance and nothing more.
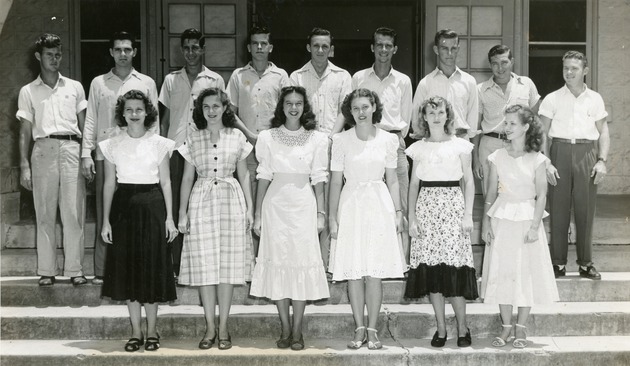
(263, 155)
(245, 148)
(163, 146)
(414, 151)
(391, 151)
(492, 158)
(106, 148)
(540, 159)
(463, 146)
(337, 162)
(319, 169)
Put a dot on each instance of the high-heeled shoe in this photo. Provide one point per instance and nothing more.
(377, 344)
(206, 343)
(133, 344)
(357, 344)
(466, 340)
(284, 342)
(520, 342)
(299, 344)
(437, 341)
(500, 342)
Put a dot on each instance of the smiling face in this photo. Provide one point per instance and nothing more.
(213, 109)
(293, 106)
(383, 48)
(501, 66)
(123, 53)
(259, 47)
(446, 51)
(192, 51)
(49, 59)
(362, 110)
(573, 71)
(435, 116)
(320, 48)
(514, 127)
(135, 112)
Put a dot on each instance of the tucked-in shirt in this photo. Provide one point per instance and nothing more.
(571, 117)
(439, 161)
(137, 160)
(256, 96)
(179, 97)
(52, 110)
(395, 92)
(460, 89)
(104, 92)
(325, 93)
(493, 101)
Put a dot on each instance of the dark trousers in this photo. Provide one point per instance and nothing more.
(575, 188)
(177, 163)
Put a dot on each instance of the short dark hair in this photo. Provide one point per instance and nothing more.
(149, 108)
(319, 32)
(534, 134)
(499, 49)
(435, 102)
(387, 32)
(122, 36)
(446, 34)
(307, 120)
(228, 119)
(192, 33)
(346, 107)
(576, 55)
(261, 29)
(47, 40)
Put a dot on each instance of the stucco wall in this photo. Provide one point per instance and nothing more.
(614, 85)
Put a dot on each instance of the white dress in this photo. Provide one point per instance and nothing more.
(289, 263)
(514, 272)
(367, 242)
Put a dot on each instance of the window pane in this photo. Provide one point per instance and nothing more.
(219, 19)
(487, 21)
(453, 17)
(101, 18)
(545, 66)
(557, 21)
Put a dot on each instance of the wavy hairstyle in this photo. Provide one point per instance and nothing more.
(149, 108)
(346, 107)
(435, 102)
(534, 134)
(307, 119)
(228, 119)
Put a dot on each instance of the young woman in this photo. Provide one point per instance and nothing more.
(138, 217)
(442, 191)
(290, 212)
(517, 270)
(365, 217)
(217, 252)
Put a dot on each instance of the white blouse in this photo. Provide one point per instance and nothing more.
(439, 161)
(136, 159)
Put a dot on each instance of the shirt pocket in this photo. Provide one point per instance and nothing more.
(68, 107)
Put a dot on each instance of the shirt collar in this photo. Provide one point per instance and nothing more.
(60, 82)
(373, 72)
(437, 72)
(329, 68)
(490, 83)
(134, 73)
(270, 68)
(205, 72)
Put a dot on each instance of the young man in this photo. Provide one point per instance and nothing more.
(326, 86)
(574, 117)
(395, 92)
(100, 124)
(502, 90)
(254, 90)
(451, 83)
(51, 110)
(177, 100)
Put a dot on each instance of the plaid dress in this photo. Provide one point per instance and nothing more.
(218, 248)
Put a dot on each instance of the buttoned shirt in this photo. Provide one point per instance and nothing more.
(395, 93)
(493, 101)
(100, 119)
(256, 96)
(325, 93)
(460, 89)
(52, 110)
(179, 97)
(573, 117)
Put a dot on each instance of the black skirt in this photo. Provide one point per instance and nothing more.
(139, 264)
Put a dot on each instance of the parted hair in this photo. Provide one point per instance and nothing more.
(122, 36)
(435, 102)
(228, 118)
(534, 134)
(192, 33)
(149, 108)
(346, 107)
(307, 119)
(47, 40)
(576, 55)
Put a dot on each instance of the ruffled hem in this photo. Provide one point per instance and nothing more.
(514, 210)
(448, 280)
(282, 282)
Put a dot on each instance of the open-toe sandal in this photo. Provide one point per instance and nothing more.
(520, 342)
(357, 344)
(377, 344)
(500, 342)
(152, 344)
(133, 344)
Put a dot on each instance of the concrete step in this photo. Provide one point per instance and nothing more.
(24, 291)
(23, 262)
(543, 351)
(325, 321)
(612, 225)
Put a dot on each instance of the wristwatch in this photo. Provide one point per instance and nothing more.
(601, 159)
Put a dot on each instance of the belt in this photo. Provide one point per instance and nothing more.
(439, 183)
(65, 137)
(395, 132)
(572, 141)
(500, 136)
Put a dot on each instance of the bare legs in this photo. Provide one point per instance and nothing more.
(365, 292)
(135, 316)
(209, 296)
(298, 316)
(459, 308)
